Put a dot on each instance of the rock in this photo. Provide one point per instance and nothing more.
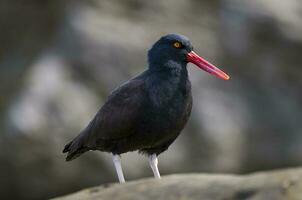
(274, 185)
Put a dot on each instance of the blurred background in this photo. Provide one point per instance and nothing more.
(60, 59)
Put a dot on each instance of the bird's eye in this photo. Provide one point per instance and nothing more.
(177, 45)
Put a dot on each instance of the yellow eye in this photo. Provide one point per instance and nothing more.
(177, 45)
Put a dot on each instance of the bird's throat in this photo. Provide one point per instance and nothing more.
(165, 86)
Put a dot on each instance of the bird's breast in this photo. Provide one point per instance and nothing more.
(167, 111)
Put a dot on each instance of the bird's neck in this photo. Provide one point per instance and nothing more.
(167, 66)
(166, 83)
(169, 71)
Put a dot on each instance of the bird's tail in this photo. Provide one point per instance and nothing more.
(74, 149)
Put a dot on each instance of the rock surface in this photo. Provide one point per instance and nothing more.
(274, 185)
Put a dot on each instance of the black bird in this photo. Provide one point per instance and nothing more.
(148, 112)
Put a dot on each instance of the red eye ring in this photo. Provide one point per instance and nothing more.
(177, 45)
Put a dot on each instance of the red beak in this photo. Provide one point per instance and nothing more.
(192, 57)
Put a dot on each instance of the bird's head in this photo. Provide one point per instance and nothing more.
(174, 50)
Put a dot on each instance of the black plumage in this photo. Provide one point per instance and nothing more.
(148, 112)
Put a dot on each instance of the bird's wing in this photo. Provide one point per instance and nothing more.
(117, 119)
(119, 115)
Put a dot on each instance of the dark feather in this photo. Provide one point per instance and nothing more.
(146, 113)
(114, 121)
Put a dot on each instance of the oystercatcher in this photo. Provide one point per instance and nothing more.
(148, 112)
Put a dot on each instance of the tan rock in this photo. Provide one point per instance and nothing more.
(274, 185)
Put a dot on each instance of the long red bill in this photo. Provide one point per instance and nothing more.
(206, 66)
